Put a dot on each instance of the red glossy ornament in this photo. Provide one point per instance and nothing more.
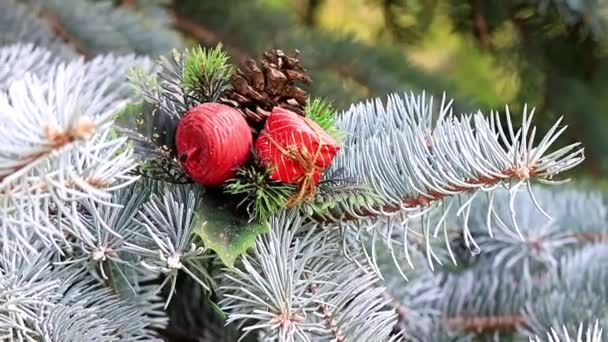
(212, 139)
(295, 148)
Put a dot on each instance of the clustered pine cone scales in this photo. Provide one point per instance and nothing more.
(258, 87)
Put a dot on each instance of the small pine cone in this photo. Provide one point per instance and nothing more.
(273, 81)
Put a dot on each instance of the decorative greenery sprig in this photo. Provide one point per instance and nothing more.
(265, 197)
(206, 73)
(321, 111)
(262, 196)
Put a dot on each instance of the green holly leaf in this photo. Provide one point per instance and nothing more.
(226, 233)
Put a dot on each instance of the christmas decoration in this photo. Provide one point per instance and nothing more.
(261, 196)
(258, 87)
(212, 140)
(297, 150)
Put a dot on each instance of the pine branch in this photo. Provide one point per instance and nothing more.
(510, 271)
(546, 227)
(506, 277)
(335, 193)
(84, 24)
(506, 259)
(19, 25)
(418, 164)
(413, 292)
(183, 80)
(592, 237)
(94, 27)
(40, 301)
(168, 244)
(571, 295)
(204, 35)
(591, 334)
(146, 35)
(59, 145)
(295, 276)
(16, 60)
(53, 157)
(430, 147)
(328, 317)
(102, 231)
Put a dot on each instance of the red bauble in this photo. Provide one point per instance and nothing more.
(294, 146)
(212, 140)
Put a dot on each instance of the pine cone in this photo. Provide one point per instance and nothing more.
(260, 86)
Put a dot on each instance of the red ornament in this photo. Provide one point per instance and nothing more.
(296, 148)
(212, 140)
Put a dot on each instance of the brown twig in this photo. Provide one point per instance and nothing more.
(328, 318)
(57, 27)
(128, 3)
(481, 324)
(402, 310)
(591, 237)
(433, 196)
(481, 27)
(204, 35)
(475, 324)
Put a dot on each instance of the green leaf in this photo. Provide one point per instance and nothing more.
(225, 232)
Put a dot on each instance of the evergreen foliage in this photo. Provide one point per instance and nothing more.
(429, 225)
(262, 196)
(324, 115)
(206, 73)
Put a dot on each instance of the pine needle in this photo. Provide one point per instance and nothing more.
(207, 72)
(263, 196)
(321, 112)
